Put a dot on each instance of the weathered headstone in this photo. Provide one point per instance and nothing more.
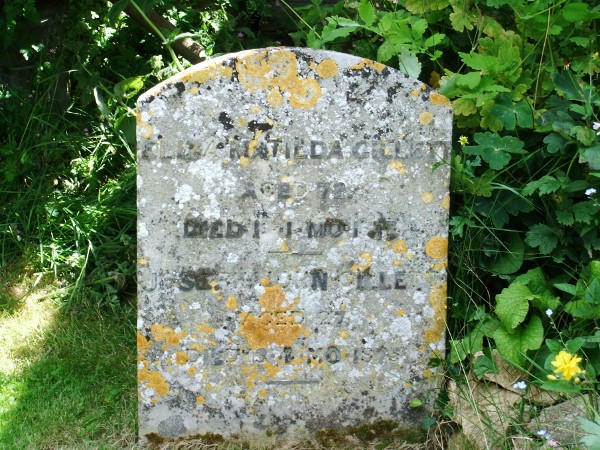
(292, 245)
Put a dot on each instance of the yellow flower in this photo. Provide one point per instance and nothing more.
(463, 140)
(567, 364)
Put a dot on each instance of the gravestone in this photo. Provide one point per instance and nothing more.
(292, 239)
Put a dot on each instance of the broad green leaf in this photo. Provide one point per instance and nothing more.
(592, 293)
(478, 61)
(509, 260)
(543, 237)
(129, 86)
(512, 305)
(470, 80)
(421, 6)
(409, 63)
(575, 12)
(583, 309)
(583, 211)
(366, 12)
(418, 27)
(484, 364)
(592, 439)
(536, 281)
(482, 185)
(545, 185)
(555, 142)
(565, 217)
(434, 40)
(513, 345)
(591, 156)
(565, 83)
(461, 21)
(495, 150)
(585, 135)
(566, 287)
(464, 107)
(331, 34)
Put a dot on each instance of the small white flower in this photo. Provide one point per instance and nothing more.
(589, 192)
(596, 126)
(549, 312)
(541, 432)
(520, 385)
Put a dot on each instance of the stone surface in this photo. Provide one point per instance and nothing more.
(292, 240)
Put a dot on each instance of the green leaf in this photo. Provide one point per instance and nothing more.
(115, 11)
(508, 260)
(565, 217)
(366, 12)
(464, 107)
(409, 63)
(545, 185)
(537, 283)
(460, 20)
(583, 309)
(495, 150)
(482, 185)
(575, 12)
(543, 237)
(101, 103)
(421, 6)
(592, 440)
(331, 33)
(129, 87)
(512, 345)
(511, 114)
(566, 287)
(478, 61)
(512, 305)
(591, 156)
(434, 40)
(583, 211)
(565, 83)
(470, 80)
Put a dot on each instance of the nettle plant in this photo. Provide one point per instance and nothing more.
(523, 78)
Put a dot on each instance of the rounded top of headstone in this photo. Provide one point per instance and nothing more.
(299, 77)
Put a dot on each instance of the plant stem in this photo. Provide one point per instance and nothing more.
(158, 33)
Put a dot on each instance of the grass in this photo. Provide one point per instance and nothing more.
(67, 379)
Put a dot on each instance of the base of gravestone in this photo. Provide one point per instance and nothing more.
(379, 434)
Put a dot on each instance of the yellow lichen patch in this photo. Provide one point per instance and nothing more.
(396, 263)
(192, 371)
(193, 90)
(244, 161)
(284, 247)
(423, 87)
(166, 334)
(398, 166)
(399, 246)
(438, 267)
(207, 73)
(400, 312)
(427, 197)
(327, 68)
(255, 109)
(439, 99)
(231, 303)
(274, 98)
(306, 93)
(425, 118)
(143, 346)
(254, 143)
(214, 287)
(202, 328)
(146, 130)
(437, 247)
(181, 358)
(368, 258)
(263, 393)
(344, 334)
(446, 202)
(153, 380)
(410, 255)
(368, 63)
(154, 400)
(200, 400)
(143, 261)
(276, 325)
(428, 374)
(415, 92)
(437, 299)
(277, 71)
(271, 370)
